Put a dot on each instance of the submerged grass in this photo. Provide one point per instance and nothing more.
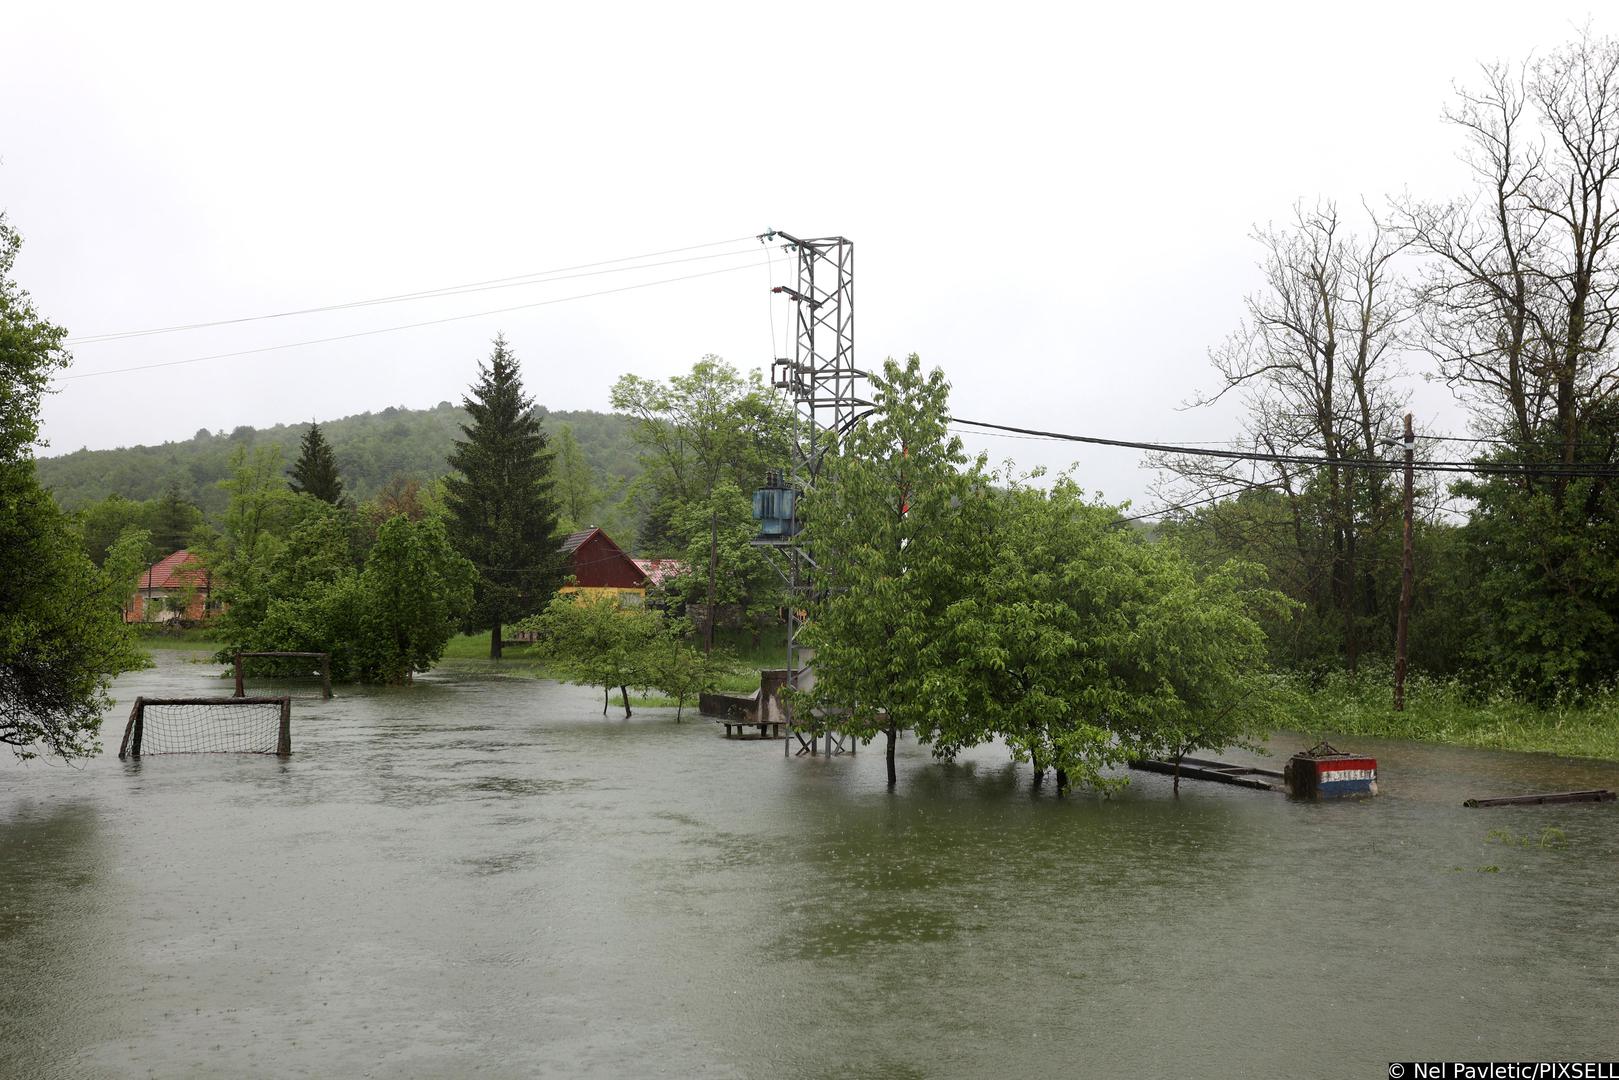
(1447, 711)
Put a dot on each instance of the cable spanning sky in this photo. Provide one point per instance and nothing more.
(1053, 204)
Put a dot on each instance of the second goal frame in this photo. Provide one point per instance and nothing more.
(325, 659)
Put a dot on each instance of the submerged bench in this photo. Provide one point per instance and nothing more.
(737, 725)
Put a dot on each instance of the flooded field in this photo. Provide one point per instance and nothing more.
(481, 876)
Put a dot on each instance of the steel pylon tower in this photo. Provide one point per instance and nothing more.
(827, 394)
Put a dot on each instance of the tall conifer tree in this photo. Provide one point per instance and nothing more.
(503, 510)
(315, 472)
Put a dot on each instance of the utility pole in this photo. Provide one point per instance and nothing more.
(1407, 573)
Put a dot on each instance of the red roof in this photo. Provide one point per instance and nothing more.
(658, 571)
(178, 571)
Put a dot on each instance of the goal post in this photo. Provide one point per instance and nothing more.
(230, 725)
(280, 662)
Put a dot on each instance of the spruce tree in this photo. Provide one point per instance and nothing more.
(315, 472)
(503, 510)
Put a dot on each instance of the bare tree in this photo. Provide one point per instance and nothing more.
(1518, 295)
(1316, 362)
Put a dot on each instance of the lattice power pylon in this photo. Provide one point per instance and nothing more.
(827, 393)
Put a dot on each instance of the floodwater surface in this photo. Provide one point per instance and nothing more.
(482, 876)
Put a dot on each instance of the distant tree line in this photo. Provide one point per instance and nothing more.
(371, 452)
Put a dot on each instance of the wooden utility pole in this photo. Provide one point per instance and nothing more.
(1407, 574)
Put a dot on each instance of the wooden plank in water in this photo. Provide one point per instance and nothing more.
(1596, 795)
(1219, 771)
(1226, 766)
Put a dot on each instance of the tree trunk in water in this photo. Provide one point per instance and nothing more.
(624, 693)
(1039, 774)
(607, 698)
(494, 642)
(680, 703)
(1062, 781)
(1177, 787)
(892, 779)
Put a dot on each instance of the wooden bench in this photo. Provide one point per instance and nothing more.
(736, 725)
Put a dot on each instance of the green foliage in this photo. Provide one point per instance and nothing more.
(1542, 562)
(415, 589)
(172, 521)
(62, 635)
(30, 353)
(971, 613)
(260, 514)
(720, 524)
(500, 498)
(695, 431)
(885, 524)
(381, 623)
(1458, 712)
(1033, 644)
(577, 493)
(315, 471)
(594, 642)
(1194, 671)
(676, 668)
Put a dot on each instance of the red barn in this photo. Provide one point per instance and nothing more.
(597, 563)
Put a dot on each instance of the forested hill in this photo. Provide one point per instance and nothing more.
(371, 448)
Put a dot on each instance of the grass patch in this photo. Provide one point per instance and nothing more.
(154, 636)
(470, 652)
(1445, 711)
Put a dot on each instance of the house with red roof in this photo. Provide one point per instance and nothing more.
(175, 588)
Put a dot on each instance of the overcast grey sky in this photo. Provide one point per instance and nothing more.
(1051, 202)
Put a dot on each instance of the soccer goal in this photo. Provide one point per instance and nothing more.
(231, 725)
(292, 674)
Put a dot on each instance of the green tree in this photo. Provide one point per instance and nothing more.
(416, 589)
(315, 471)
(1032, 644)
(380, 624)
(1192, 667)
(503, 511)
(723, 562)
(884, 525)
(30, 353)
(172, 521)
(679, 670)
(577, 494)
(62, 635)
(695, 430)
(102, 523)
(594, 642)
(259, 516)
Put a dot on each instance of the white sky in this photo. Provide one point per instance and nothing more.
(1050, 202)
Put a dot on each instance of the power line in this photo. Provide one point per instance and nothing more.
(1370, 464)
(535, 277)
(406, 326)
(1048, 438)
(1195, 502)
